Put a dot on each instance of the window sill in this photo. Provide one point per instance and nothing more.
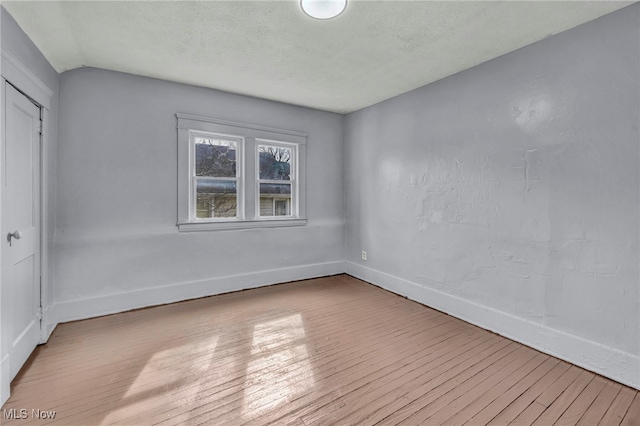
(239, 224)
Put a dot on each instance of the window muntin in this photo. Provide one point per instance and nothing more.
(216, 167)
(276, 172)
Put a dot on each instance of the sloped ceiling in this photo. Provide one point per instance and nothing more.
(270, 49)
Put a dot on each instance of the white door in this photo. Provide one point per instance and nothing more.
(20, 240)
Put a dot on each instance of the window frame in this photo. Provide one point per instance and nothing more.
(239, 141)
(247, 174)
(293, 180)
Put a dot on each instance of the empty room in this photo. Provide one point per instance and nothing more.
(320, 212)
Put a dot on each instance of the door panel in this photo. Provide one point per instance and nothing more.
(20, 212)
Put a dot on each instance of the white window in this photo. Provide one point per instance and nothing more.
(216, 176)
(234, 175)
(277, 178)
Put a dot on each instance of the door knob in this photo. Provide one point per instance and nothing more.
(15, 234)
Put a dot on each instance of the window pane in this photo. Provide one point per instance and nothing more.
(275, 199)
(215, 157)
(216, 198)
(275, 162)
(281, 207)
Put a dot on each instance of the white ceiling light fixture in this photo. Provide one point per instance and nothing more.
(323, 9)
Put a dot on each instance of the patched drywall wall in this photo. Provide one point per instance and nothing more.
(509, 194)
(117, 243)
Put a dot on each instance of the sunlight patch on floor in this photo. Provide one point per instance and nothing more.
(280, 367)
(168, 372)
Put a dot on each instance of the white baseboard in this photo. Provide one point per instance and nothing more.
(120, 302)
(5, 383)
(609, 362)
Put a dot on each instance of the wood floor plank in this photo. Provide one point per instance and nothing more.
(618, 408)
(579, 407)
(581, 404)
(391, 385)
(421, 409)
(562, 371)
(450, 403)
(483, 396)
(632, 417)
(423, 396)
(564, 400)
(596, 411)
(455, 370)
(390, 400)
(529, 415)
(489, 412)
(327, 351)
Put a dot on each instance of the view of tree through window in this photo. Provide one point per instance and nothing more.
(275, 180)
(215, 177)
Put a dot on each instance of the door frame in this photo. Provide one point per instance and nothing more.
(14, 72)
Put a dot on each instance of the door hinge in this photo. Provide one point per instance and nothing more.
(39, 314)
(41, 127)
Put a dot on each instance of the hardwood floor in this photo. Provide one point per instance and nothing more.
(328, 351)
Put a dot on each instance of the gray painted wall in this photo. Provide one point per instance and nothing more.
(116, 239)
(508, 194)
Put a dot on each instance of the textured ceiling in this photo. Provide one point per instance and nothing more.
(270, 49)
